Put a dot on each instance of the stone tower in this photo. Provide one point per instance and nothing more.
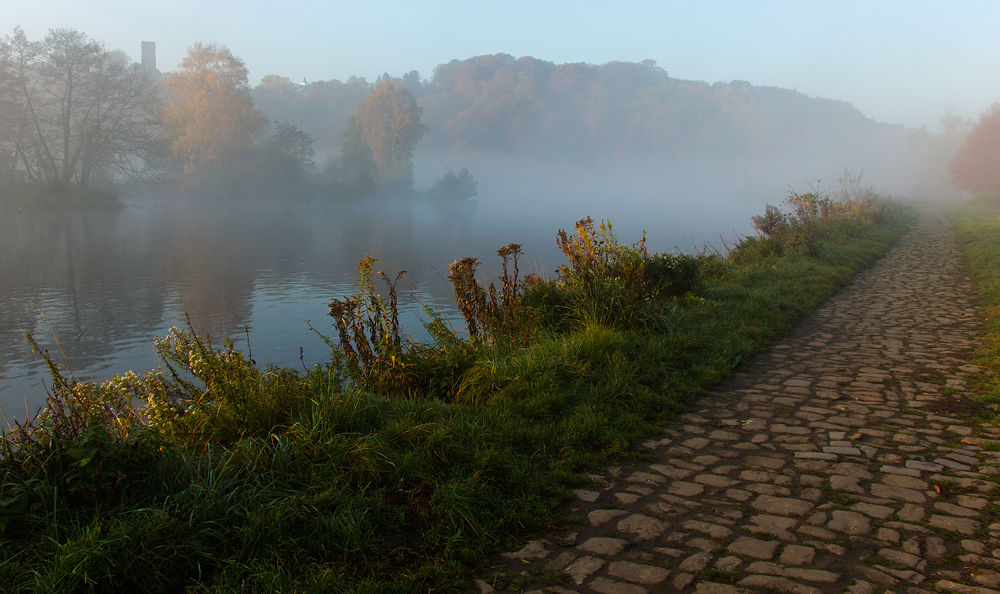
(149, 57)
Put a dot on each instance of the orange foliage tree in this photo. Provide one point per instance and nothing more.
(389, 122)
(976, 166)
(210, 116)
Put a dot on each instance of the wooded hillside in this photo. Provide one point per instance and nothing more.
(502, 104)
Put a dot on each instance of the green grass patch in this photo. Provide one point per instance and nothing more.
(519, 583)
(992, 511)
(831, 495)
(977, 224)
(719, 576)
(400, 467)
(551, 578)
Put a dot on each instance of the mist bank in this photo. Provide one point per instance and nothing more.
(683, 203)
(523, 125)
(206, 130)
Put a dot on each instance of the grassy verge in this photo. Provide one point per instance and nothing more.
(402, 467)
(977, 223)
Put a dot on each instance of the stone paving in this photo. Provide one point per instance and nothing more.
(842, 462)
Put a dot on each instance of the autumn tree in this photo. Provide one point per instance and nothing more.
(274, 93)
(976, 167)
(210, 116)
(275, 81)
(73, 112)
(389, 123)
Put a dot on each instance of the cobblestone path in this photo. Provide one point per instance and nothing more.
(840, 463)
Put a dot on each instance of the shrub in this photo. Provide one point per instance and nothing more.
(799, 229)
(755, 250)
(596, 255)
(608, 282)
(552, 304)
(598, 260)
(673, 274)
(811, 215)
(773, 225)
(452, 186)
(236, 398)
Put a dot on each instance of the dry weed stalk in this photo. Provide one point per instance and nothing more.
(488, 314)
(368, 324)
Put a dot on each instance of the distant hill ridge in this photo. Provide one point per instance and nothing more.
(498, 104)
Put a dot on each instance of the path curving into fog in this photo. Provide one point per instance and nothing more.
(841, 462)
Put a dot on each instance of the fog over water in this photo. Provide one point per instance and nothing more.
(548, 144)
(109, 281)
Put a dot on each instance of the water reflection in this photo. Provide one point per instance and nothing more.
(104, 283)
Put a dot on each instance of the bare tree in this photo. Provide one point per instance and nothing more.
(81, 113)
(15, 138)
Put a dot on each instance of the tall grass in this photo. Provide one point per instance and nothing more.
(397, 466)
(977, 223)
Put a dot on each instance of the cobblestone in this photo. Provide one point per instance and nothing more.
(840, 462)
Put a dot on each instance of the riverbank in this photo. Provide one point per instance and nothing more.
(844, 460)
(404, 467)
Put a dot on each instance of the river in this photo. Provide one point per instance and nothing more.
(95, 287)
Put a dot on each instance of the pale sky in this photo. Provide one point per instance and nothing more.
(906, 62)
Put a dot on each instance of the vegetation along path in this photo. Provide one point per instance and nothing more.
(843, 461)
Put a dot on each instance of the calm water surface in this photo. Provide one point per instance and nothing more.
(96, 287)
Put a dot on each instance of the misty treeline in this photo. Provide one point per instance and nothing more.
(502, 104)
(965, 154)
(498, 105)
(78, 119)
(75, 115)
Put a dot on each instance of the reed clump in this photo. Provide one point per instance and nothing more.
(400, 466)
